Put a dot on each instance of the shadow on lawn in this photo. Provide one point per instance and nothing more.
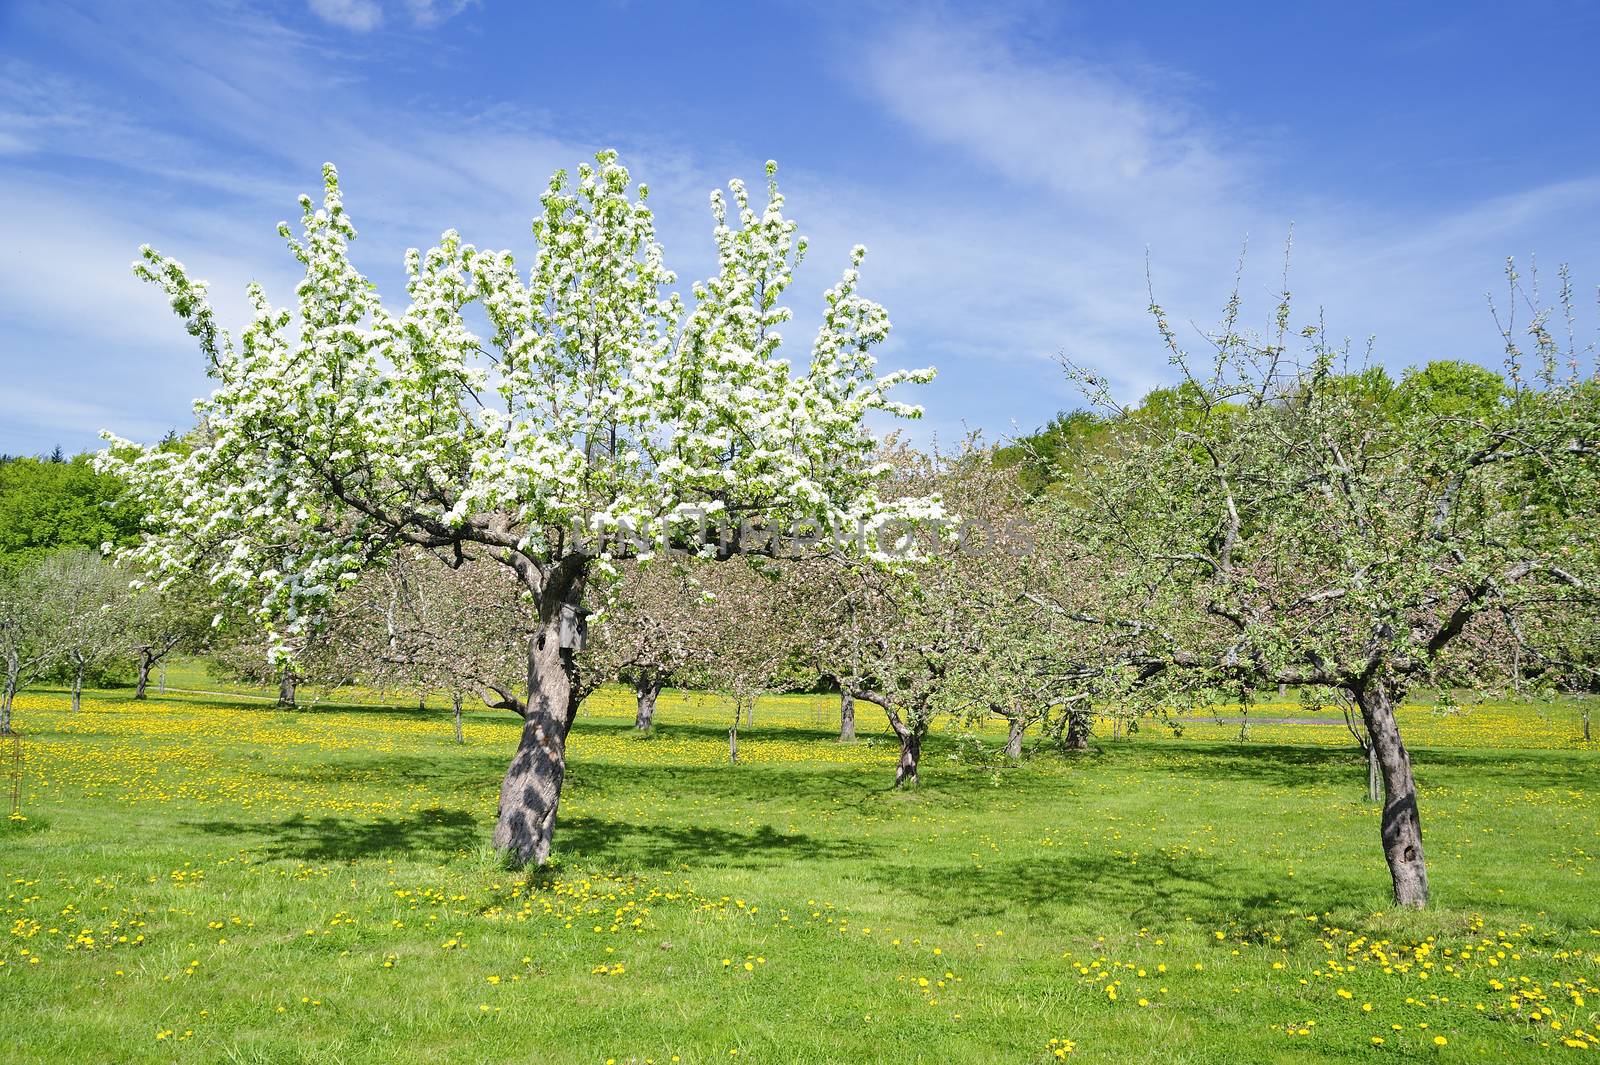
(581, 839)
(611, 843)
(666, 784)
(474, 768)
(1155, 891)
(480, 769)
(342, 839)
(1292, 766)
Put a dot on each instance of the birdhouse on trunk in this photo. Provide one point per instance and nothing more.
(572, 627)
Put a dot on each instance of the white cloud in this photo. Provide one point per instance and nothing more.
(1094, 137)
(50, 419)
(209, 190)
(361, 16)
(364, 16)
(426, 13)
(1027, 240)
(1096, 164)
(72, 270)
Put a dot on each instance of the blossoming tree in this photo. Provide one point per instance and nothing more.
(596, 403)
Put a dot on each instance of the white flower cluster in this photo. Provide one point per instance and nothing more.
(601, 399)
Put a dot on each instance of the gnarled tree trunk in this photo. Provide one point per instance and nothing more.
(532, 787)
(531, 791)
(646, 687)
(7, 694)
(1077, 730)
(144, 673)
(847, 717)
(286, 688)
(455, 714)
(1014, 738)
(1374, 778)
(905, 770)
(78, 667)
(1401, 828)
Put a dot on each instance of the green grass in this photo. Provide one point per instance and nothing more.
(210, 881)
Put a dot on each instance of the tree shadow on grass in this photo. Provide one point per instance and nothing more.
(758, 783)
(1291, 766)
(479, 768)
(590, 840)
(612, 843)
(304, 838)
(1282, 765)
(1155, 891)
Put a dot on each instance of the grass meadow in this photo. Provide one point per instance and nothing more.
(202, 878)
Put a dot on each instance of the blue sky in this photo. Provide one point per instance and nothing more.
(1008, 170)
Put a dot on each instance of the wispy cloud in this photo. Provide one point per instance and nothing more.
(75, 274)
(249, 131)
(364, 16)
(1020, 234)
(425, 13)
(1091, 165)
(358, 15)
(47, 419)
(1093, 136)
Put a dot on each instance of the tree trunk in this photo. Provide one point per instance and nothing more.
(1374, 778)
(531, 791)
(733, 736)
(646, 686)
(847, 717)
(1077, 730)
(1401, 828)
(1586, 723)
(1283, 691)
(7, 694)
(1244, 725)
(77, 685)
(144, 673)
(161, 678)
(1014, 739)
(455, 713)
(286, 688)
(910, 752)
(422, 701)
(910, 747)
